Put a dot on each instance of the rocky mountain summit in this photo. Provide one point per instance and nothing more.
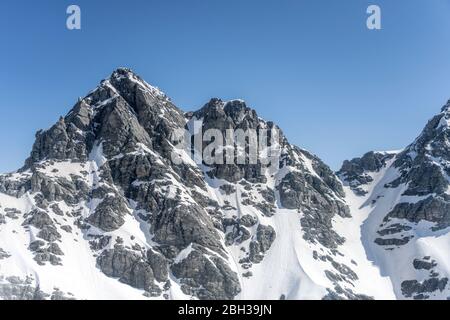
(101, 211)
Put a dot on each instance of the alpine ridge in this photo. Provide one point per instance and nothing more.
(101, 211)
(406, 196)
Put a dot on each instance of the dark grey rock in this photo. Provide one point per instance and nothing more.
(422, 264)
(12, 213)
(228, 189)
(248, 221)
(206, 278)
(4, 254)
(265, 236)
(99, 242)
(411, 287)
(355, 172)
(238, 234)
(42, 257)
(434, 209)
(180, 225)
(109, 214)
(36, 245)
(268, 195)
(41, 220)
(56, 209)
(311, 195)
(159, 264)
(67, 228)
(393, 229)
(129, 267)
(392, 241)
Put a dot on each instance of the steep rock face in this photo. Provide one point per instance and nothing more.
(355, 171)
(407, 195)
(100, 198)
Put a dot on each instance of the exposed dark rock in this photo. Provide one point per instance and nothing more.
(58, 189)
(4, 254)
(109, 214)
(42, 257)
(411, 287)
(265, 236)
(393, 229)
(311, 195)
(238, 234)
(180, 225)
(129, 267)
(434, 209)
(159, 265)
(228, 189)
(57, 210)
(392, 241)
(206, 278)
(36, 245)
(268, 195)
(67, 228)
(355, 172)
(12, 213)
(99, 242)
(425, 265)
(41, 220)
(248, 221)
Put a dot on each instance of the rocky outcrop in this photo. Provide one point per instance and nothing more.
(356, 172)
(235, 115)
(265, 236)
(109, 214)
(129, 267)
(208, 278)
(180, 225)
(420, 289)
(41, 220)
(424, 168)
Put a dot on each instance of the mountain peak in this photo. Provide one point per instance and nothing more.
(446, 107)
(125, 79)
(123, 71)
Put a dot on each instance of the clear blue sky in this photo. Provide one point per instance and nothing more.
(336, 88)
